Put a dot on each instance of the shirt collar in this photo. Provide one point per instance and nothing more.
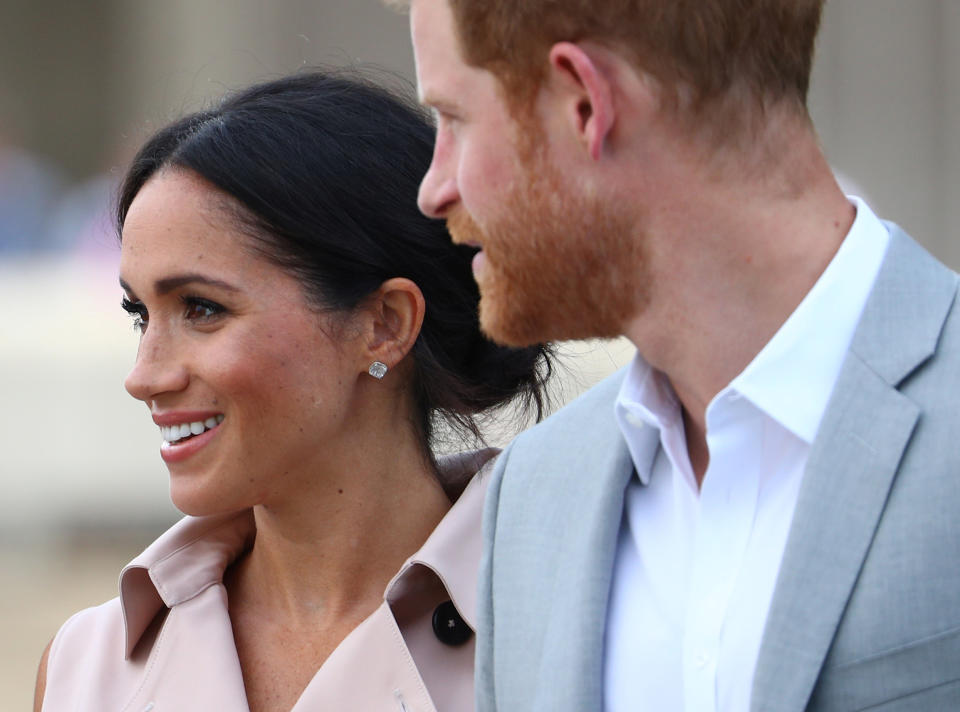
(193, 554)
(792, 377)
(646, 398)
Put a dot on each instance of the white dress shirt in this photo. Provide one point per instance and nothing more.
(695, 569)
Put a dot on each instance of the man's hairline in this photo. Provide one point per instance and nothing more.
(520, 96)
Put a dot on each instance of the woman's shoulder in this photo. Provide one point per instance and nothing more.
(99, 656)
(82, 654)
(101, 622)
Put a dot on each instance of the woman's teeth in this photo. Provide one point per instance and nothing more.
(175, 433)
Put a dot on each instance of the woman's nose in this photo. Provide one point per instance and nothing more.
(157, 369)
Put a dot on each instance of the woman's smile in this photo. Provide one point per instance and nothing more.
(175, 433)
(185, 433)
(181, 449)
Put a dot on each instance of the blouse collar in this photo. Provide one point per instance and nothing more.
(193, 555)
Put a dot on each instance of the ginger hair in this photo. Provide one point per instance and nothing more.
(705, 54)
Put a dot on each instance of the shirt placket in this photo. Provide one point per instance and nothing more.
(727, 506)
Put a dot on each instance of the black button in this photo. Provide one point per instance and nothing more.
(449, 627)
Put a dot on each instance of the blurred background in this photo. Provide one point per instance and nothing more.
(82, 84)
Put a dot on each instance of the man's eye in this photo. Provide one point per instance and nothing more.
(443, 118)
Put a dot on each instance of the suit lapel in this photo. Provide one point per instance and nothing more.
(852, 465)
(842, 496)
(571, 669)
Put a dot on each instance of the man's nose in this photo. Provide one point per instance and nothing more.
(438, 189)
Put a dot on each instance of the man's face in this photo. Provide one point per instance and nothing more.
(557, 260)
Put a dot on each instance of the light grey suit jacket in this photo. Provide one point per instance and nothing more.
(866, 611)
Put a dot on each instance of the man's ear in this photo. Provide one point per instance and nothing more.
(392, 317)
(587, 93)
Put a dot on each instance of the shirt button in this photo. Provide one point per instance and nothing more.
(701, 660)
(635, 420)
(449, 627)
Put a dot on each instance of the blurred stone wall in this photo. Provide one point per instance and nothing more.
(886, 101)
(83, 83)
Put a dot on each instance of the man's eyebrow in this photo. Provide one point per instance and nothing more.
(433, 102)
(168, 284)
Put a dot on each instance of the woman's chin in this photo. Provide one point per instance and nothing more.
(196, 503)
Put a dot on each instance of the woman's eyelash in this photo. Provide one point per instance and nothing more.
(137, 311)
(194, 309)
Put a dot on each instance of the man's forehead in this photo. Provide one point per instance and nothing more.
(429, 14)
(435, 50)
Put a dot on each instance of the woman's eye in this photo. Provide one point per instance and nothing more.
(138, 311)
(197, 309)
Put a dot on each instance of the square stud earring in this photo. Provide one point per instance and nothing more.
(377, 369)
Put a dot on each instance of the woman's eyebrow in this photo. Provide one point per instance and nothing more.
(126, 288)
(168, 284)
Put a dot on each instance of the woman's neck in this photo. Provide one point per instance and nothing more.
(329, 552)
(328, 540)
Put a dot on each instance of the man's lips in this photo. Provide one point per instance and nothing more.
(479, 263)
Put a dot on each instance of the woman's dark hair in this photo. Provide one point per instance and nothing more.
(324, 168)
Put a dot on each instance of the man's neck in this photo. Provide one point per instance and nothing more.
(729, 273)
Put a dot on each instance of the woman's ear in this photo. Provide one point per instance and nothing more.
(392, 318)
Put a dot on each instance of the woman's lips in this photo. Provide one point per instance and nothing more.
(183, 449)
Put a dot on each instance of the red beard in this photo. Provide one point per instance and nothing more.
(558, 264)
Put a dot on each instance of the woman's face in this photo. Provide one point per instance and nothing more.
(242, 376)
